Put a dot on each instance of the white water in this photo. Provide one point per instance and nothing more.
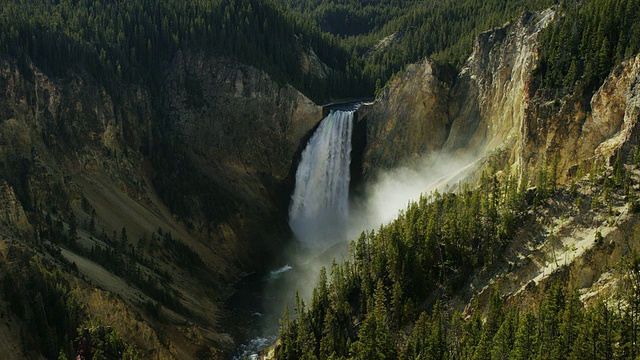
(319, 204)
(318, 216)
(274, 274)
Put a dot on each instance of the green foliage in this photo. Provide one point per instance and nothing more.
(103, 342)
(433, 245)
(41, 296)
(562, 329)
(526, 341)
(123, 260)
(133, 41)
(392, 288)
(442, 29)
(428, 338)
(585, 41)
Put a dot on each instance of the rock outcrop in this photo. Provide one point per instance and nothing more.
(494, 107)
(74, 153)
(410, 117)
(242, 128)
(616, 111)
(491, 94)
(12, 214)
(496, 115)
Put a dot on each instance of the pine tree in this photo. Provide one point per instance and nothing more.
(124, 239)
(437, 348)
(504, 339)
(305, 341)
(549, 319)
(374, 338)
(72, 232)
(92, 222)
(570, 325)
(417, 342)
(525, 343)
(630, 289)
(472, 335)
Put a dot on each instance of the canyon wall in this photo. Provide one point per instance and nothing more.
(99, 162)
(494, 107)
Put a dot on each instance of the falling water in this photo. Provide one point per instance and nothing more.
(319, 204)
(318, 217)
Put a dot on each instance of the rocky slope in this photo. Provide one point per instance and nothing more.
(410, 118)
(181, 190)
(242, 131)
(494, 114)
(494, 104)
(84, 167)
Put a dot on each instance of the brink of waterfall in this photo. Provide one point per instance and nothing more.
(320, 201)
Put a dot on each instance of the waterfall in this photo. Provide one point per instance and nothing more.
(319, 204)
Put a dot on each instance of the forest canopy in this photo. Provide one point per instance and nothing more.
(364, 43)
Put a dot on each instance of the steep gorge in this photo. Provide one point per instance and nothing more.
(241, 130)
(210, 162)
(203, 175)
(434, 284)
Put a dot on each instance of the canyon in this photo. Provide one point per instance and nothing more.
(210, 158)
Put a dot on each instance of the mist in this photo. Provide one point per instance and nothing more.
(390, 191)
(384, 195)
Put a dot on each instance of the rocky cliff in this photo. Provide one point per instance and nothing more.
(494, 105)
(96, 177)
(410, 118)
(241, 130)
(495, 114)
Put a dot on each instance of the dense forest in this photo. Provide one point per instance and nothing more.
(586, 41)
(133, 41)
(444, 30)
(38, 293)
(390, 298)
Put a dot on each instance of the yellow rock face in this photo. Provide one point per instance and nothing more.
(493, 107)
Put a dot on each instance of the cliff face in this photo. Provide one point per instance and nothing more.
(79, 160)
(55, 131)
(240, 127)
(410, 118)
(493, 106)
(12, 215)
(616, 110)
(491, 95)
(484, 108)
(496, 115)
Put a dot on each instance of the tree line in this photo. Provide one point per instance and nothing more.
(431, 248)
(389, 299)
(134, 41)
(585, 41)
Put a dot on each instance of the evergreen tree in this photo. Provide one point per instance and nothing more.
(72, 233)
(549, 322)
(570, 325)
(374, 338)
(504, 339)
(525, 345)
